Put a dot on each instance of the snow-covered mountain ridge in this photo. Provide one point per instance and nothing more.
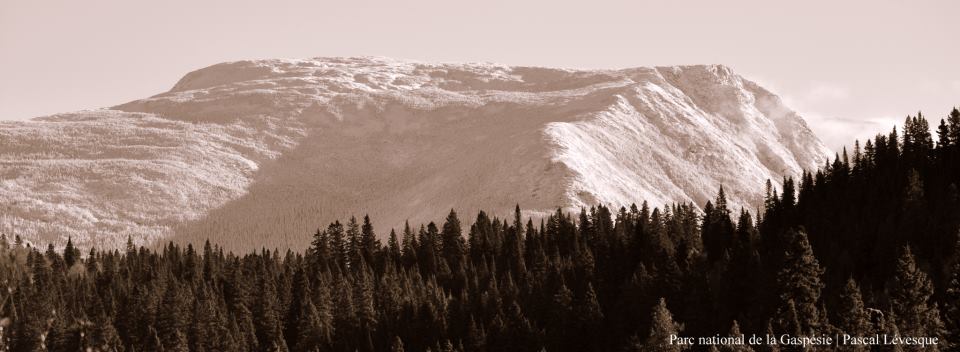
(260, 153)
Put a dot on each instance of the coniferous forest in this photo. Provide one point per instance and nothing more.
(866, 245)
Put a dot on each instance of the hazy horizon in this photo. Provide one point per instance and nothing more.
(851, 69)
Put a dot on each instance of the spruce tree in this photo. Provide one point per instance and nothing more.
(453, 244)
(409, 246)
(338, 243)
(770, 347)
(172, 319)
(662, 327)
(559, 326)
(354, 246)
(393, 248)
(799, 281)
(345, 317)
(369, 244)
(589, 310)
(718, 229)
(396, 345)
(890, 328)
(952, 302)
(70, 254)
(300, 298)
(910, 298)
(789, 321)
(943, 135)
(590, 316)
(953, 122)
(853, 317)
(736, 333)
(365, 300)
(514, 247)
(267, 320)
(310, 332)
(476, 340)
(319, 249)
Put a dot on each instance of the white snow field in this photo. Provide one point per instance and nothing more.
(255, 154)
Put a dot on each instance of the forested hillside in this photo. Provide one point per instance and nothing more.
(867, 244)
(260, 152)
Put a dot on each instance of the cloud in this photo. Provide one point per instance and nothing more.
(837, 132)
(824, 92)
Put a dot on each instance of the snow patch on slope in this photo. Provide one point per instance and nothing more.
(677, 138)
(98, 176)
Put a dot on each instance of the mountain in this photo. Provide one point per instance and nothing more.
(261, 153)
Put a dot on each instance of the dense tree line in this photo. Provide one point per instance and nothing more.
(867, 244)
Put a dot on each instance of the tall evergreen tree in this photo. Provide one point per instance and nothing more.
(172, 320)
(310, 333)
(854, 319)
(338, 243)
(396, 345)
(736, 333)
(452, 241)
(718, 229)
(799, 281)
(354, 246)
(953, 123)
(268, 323)
(662, 327)
(952, 299)
(943, 135)
(369, 244)
(393, 248)
(70, 253)
(409, 247)
(910, 293)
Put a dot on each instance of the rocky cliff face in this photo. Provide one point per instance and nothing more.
(261, 153)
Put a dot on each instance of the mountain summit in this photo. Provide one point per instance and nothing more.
(261, 153)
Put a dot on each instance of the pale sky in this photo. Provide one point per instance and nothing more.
(851, 68)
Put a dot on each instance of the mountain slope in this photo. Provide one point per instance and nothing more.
(266, 151)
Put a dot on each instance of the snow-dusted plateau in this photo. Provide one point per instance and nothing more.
(262, 153)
